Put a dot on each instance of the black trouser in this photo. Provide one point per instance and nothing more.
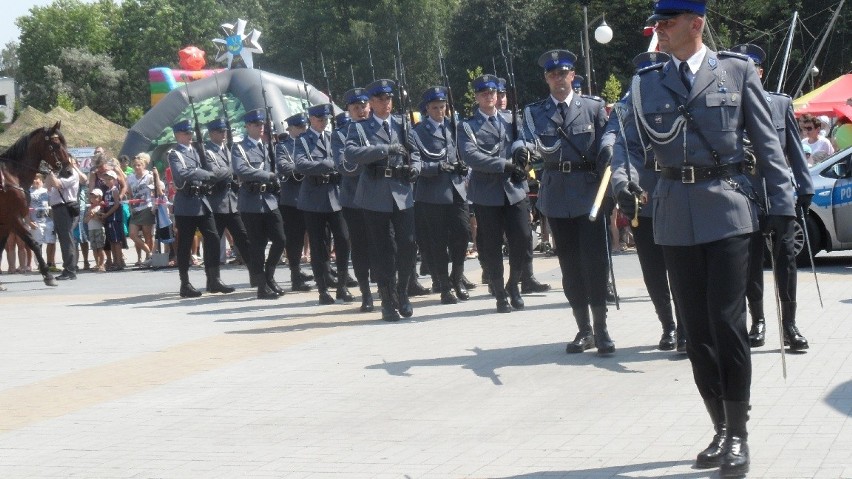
(581, 248)
(393, 250)
(492, 222)
(316, 224)
(186, 226)
(294, 230)
(446, 233)
(421, 238)
(234, 223)
(359, 244)
(261, 228)
(785, 265)
(63, 223)
(653, 264)
(709, 283)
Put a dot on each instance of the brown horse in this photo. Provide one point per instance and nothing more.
(33, 153)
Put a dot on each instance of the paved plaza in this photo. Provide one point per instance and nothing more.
(114, 376)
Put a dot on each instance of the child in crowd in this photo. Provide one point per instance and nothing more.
(97, 237)
(113, 218)
(40, 222)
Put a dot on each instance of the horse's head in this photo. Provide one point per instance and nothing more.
(48, 145)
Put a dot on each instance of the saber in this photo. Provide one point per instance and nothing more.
(771, 244)
(609, 262)
(810, 253)
(596, 206)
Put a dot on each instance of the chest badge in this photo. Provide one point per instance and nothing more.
(658, 119)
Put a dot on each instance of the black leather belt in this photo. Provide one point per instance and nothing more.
(385, 172)
(568, 166)
(257, 187)
(691, 174)
(332, 179)
(652, 165)
(196, 190)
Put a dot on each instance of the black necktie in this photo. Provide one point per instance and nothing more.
(563, 112)
(443, 132)
(386, 126)
(684, 75)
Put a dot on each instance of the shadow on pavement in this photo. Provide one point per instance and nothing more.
(840, 398)
(619, 472)
(485, 362)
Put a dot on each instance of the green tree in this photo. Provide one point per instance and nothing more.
(9, 60)
(612, 89)
(91, 80)
(49, 29)
(65, 101)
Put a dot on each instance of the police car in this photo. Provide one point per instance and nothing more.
(829, 219)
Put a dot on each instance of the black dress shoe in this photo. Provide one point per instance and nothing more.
(274, 287)
(531, 285)
(351, 282)
(67, 275)
(187, 290)
(681, 345)
(711, 456)
(217, 286)
(344, 295)
(367, 303)
(298, 284)
(325, 298)
(305, 277)
(461, 291)
(264, 292)
(389, 314)
(792, 337)
(515, 298)
(467, 283)
(735, 462)
(503, 305)
(417, 289)
(447, 297)
(406, 310)
(668, 341)
(757, 334)
(581, 342)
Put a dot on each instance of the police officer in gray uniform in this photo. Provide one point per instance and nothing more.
(529, 283)
(498, 190)
(288, 199)
(224, 196)
(385, 193)
(781, 108)
(319, 200)
(565, 129)
(694, 111)
(257, 203)
(638, 182)
(441, 194)
(193, 211)
(358, 108)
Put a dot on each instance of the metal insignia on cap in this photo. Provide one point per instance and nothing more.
(554, 55)
(437, 90)
(652, 57)
(384, 83)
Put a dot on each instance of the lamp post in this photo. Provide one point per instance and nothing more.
(603, 35)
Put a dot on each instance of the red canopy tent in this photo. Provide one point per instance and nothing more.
(824, 99)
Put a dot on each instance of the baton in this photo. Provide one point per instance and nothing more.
(810, 252)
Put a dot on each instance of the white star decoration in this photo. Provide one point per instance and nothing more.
(236, 42)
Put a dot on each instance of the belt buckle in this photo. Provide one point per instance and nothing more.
(388, 172)
(687, 175)
(565, 167)
(262, 188)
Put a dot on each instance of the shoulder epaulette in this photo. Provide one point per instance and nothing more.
(538, 102)
(726, 53)
(655, 66)
(592, 97)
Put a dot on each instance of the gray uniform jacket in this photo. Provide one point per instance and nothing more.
(487, 151)
(314, 159)
(726, 101)
(566, 195)
(252, 167)
(351, 171)
(367, 144)
(285, 167)
(188, 172)
(781, 108)
(642, 171)
(218, 161)
(433, 185)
